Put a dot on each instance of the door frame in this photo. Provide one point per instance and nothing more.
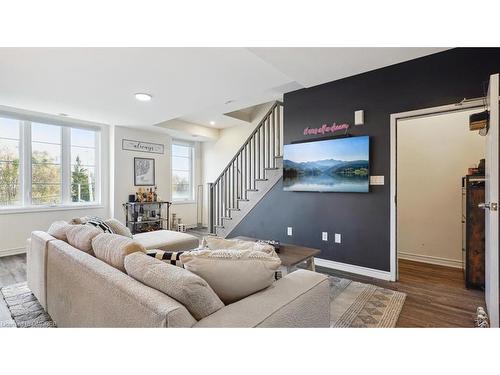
(425, 112)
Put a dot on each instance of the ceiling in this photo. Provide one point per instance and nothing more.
(193, 85)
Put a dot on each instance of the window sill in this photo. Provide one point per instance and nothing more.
(22, 210)
(175, 203)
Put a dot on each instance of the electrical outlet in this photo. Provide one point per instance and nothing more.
(289, 231)
(338, 238)
(324, 236)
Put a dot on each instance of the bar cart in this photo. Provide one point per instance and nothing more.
(147, 216)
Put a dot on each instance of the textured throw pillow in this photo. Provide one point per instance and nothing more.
(80, 236)
(185, 287)
(170, 257)
(58, 230)
(118, 228)
(233, 274)
(218, 243)
(99, 223)
(113, 248)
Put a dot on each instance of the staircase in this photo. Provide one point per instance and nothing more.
(252, 172)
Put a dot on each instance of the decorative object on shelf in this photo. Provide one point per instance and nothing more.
(144, 172)
(174, 221)
(131, 198)
(147, 216)
(181, 227)
(153, 148)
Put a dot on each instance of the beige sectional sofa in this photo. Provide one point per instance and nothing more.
(79, 290)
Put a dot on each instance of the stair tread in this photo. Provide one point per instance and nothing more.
(233, 209)
(219, 226)
(271, 168)
(243, 199)
(252, 189)
(226, 218)
(261, 179)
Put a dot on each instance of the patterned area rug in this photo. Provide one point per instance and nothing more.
(24, 308)
(358, 305)
(353, 305)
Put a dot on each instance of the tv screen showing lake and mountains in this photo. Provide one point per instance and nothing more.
(334, 165)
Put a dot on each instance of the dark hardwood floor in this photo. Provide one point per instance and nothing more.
(436, 296)
(12, 271)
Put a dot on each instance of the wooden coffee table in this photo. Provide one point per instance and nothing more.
(292, 255)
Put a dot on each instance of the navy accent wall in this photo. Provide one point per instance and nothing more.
(363, 219)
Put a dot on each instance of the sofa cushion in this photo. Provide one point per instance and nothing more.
(167, 240)
(113, 248)
(118, 228)
(233, 274)
(58, 229)
(185, 287)
(219, 243)
(80, 236)
(170, 257)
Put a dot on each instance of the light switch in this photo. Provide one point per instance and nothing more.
(338, 238)
(289, 231)
(324, 236)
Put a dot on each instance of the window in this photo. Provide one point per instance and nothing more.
(182, 172)
(44, 164)
(10, 194)
(83, 165)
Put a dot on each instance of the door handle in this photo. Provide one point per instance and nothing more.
(489, 206)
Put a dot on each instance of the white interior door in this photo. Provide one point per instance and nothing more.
(491, 205)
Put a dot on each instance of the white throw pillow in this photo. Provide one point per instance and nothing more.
(187, 288)
(119, 228)
(233, 274)
(218, 243)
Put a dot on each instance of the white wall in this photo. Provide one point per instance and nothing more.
(124, 171)
(433, 153)
(217, 154)
(15, 228)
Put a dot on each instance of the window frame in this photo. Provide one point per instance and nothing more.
(25, 167)
(176, 142)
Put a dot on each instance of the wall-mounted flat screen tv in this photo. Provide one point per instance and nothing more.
(333, 165)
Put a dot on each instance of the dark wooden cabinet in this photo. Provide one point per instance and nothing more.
(473, 231)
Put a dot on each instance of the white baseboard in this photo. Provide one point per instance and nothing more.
(14, 251)
(430, 259)
(383, 275)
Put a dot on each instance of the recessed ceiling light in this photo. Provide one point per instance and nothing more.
(142, 97)
(212, 122)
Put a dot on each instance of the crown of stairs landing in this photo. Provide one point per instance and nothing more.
(249, 176)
